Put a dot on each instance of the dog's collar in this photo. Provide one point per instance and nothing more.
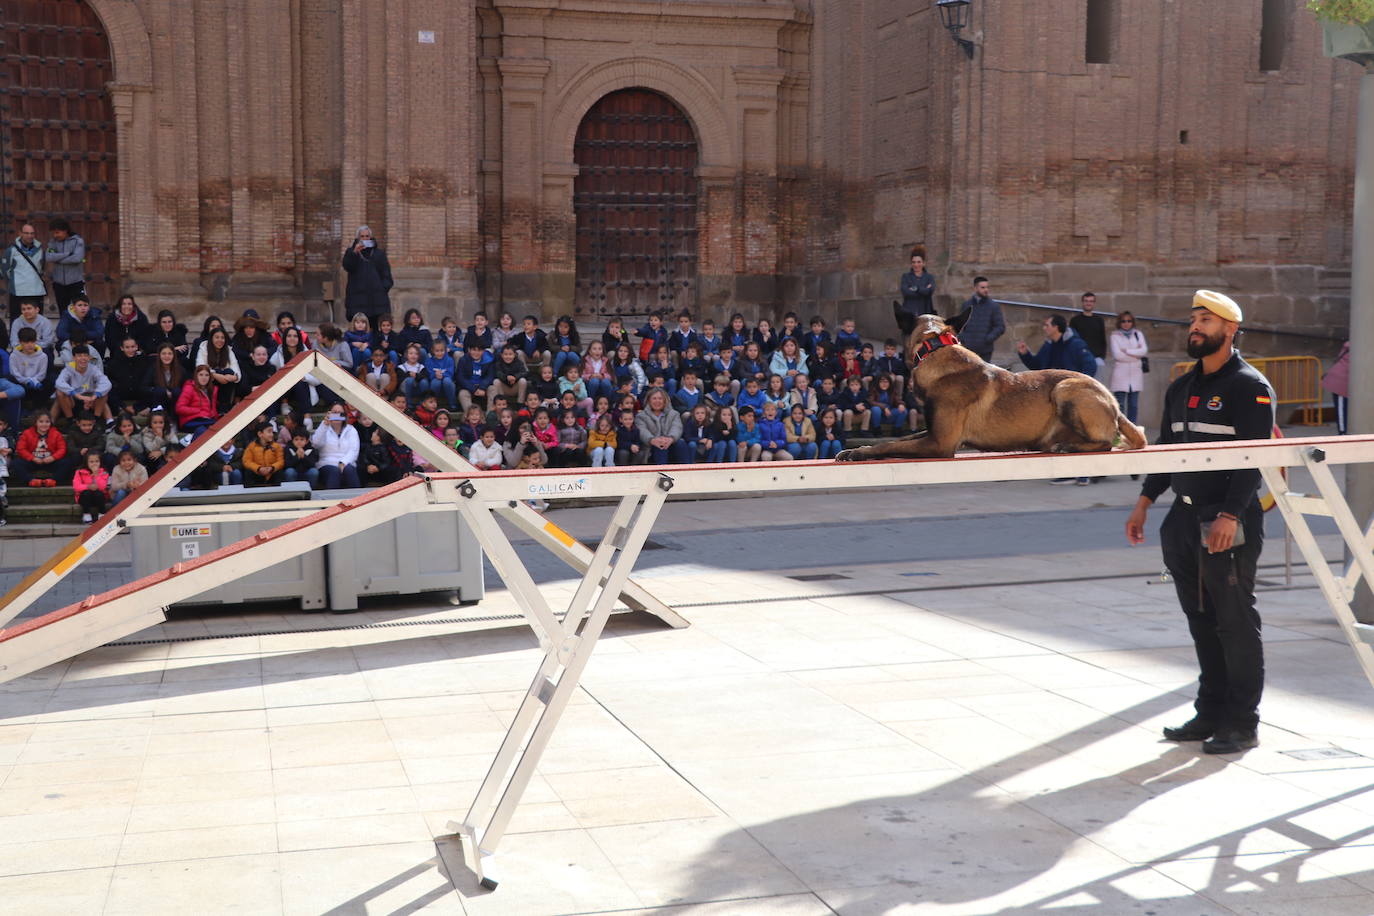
(931, 344)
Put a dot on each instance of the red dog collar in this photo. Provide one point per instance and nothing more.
(931, 344)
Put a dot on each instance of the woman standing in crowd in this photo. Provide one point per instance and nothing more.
(1129, 355)
(369, 277)
(918, 293)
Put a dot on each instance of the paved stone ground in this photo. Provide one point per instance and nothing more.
(967, 722)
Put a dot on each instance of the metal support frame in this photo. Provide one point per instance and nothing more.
(567, 643)
(566, 652)
(141, 501)
(1338, 591)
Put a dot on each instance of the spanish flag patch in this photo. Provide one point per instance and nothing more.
(1263, 399)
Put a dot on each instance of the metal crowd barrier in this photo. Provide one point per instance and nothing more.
(1297, 382)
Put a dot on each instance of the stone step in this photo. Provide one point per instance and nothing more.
(27, 530)
(42, 495)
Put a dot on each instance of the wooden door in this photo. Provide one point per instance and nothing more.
(635, 198)
(57, 131)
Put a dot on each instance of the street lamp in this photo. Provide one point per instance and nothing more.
(954, 16)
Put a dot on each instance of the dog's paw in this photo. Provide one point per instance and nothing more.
(854, 454)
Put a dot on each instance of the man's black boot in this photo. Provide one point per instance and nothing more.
(1230, 741)
(1195, 729)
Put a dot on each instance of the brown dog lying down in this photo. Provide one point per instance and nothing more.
(970, 403)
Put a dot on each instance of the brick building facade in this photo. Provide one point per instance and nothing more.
(254, 136)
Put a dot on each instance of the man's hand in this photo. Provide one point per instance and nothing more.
(1135, 524)
(1221, 534)
(1021, 347)
(358, 246)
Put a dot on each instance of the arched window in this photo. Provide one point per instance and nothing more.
(635, 200)
(57, 138)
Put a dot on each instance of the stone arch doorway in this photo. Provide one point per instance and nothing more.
(635, 202)
(57, 138)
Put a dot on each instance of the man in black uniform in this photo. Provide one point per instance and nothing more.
(1212, 534)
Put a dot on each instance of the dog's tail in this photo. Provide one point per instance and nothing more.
(1132, 436)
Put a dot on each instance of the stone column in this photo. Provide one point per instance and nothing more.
(522, 177)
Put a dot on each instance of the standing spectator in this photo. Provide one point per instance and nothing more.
(918, 293)
(82, 386)
(92, 487)
(979, 321)
(264, 460)
(67, 255)
(1060, 350)
(128, 475)
(195, 405)
(1129, 355)
(22, 267)
(369, 277)
(660, 428)
(46, 334)
(41, 454)
(338, 447)
(127, 321)
(1092, 329)
(79, 314)
(1337, 381)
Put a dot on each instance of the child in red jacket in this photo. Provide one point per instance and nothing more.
(41, 454)
(92, 486)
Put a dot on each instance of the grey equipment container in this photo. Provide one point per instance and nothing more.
(157, 547)
(422, 552)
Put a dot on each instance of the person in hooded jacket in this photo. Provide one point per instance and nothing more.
(167, 330)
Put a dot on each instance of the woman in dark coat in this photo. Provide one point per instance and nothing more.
(369, 277)
(127, 320)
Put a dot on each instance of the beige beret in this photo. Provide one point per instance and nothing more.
(1220, 305)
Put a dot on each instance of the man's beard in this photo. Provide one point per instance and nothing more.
(1197, 349)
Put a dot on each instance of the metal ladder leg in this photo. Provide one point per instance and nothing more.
(1294, 508)
(551, 690)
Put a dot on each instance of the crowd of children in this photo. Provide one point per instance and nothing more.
(104, 404)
